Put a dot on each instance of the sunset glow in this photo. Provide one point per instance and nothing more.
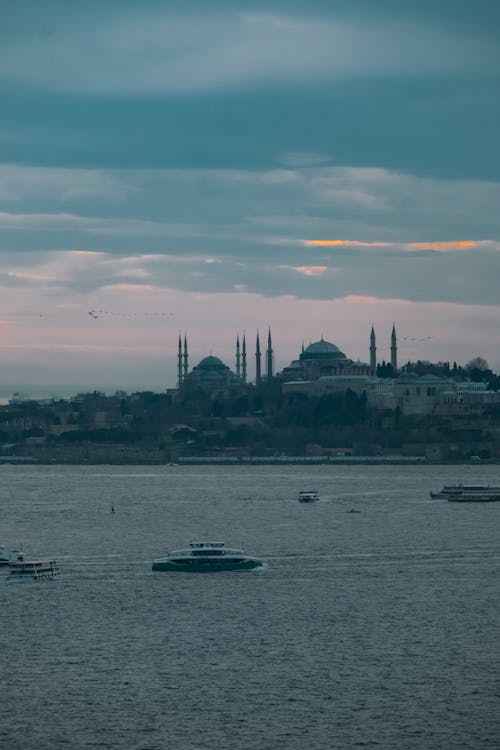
(442, 246)
(341, 243)
(329, 243)
(311, 270)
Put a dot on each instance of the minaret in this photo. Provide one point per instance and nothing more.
(179, 363)
(394, 351)
(238, 359)
(185, 357)
(258, 376)
(269, 355)
(373, 354)
(244, 359)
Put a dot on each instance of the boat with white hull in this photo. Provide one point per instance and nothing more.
(308, 496)
(206, 557)
(472, 493)
(24, 571)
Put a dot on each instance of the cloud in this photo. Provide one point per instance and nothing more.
(21, 182)
(90, 224)
(231, 208)
(143, 50)
(420, 275)
(216, 230)
(437, 246)
(443, 246)
(311, 270)
(346, 243)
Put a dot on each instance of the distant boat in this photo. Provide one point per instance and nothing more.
(463, 493)
(308, 496)
(206, 557)
(23, 571)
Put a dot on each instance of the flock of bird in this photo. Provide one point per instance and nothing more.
(411, 338)
(95, 314)
(99, 313)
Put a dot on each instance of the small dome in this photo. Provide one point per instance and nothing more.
(322, 350)
(430, 378)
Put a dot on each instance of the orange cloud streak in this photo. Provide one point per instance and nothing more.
(439, 246)
(340, 243)
(310, 270)
(442, 245)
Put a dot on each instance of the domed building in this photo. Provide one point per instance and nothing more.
(211, 374)
(321, 359)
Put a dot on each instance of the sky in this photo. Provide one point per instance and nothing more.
(219, 168)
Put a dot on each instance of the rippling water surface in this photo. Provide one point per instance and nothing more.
(377, 629)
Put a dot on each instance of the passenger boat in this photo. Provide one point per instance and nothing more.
(22, 571)
(7, 555)
(443, 493)
(308, 496)
(206, 557)
(472, 493)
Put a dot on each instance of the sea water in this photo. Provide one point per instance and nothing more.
(369, 629)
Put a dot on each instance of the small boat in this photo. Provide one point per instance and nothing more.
(308, 496)
(472, 493)
(206, 557)
(7, 555)
(22, 571)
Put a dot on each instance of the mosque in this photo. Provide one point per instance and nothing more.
(323, 369)
(319, 359)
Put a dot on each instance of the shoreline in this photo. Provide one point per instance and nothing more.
(251, 461)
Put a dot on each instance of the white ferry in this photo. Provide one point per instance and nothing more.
(308, 496)
(472, 493)
(22, 571)
(206, 557)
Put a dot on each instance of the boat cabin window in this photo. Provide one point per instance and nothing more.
(205, 552)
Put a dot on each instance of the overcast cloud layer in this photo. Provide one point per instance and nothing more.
(317, 167)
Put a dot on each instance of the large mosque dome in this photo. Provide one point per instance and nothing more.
(212, 363)
(322, 350)
(212, 374)
(323, 359)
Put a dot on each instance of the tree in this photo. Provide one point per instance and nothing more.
(477, 363)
